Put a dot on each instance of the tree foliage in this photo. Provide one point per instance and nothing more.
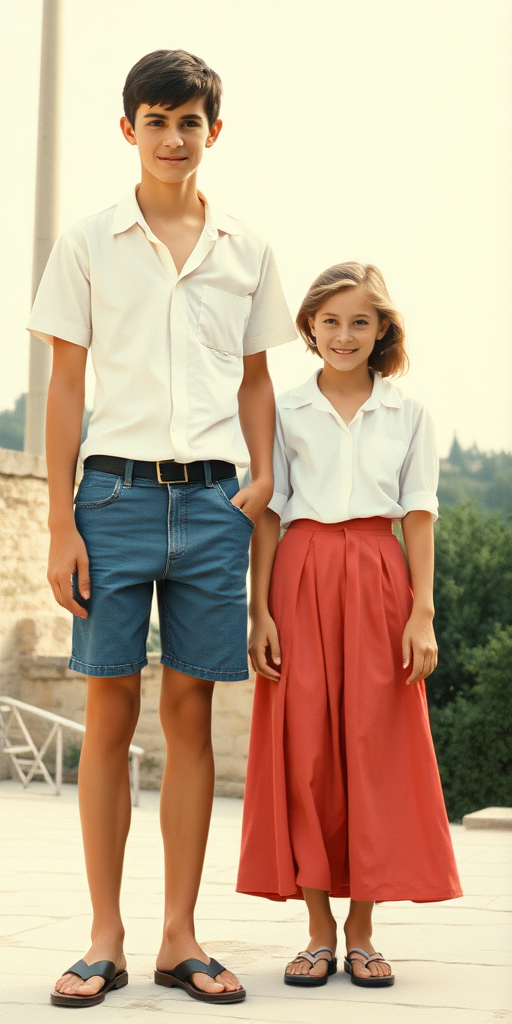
(485, 477)
(472, 734)
(472, 592)
(470, 693)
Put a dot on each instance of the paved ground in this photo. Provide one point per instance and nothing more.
(452, 960)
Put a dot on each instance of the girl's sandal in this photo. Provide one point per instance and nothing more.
(376, 981)
(104, 969)
(312, 959)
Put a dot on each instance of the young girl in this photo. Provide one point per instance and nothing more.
(343, 796)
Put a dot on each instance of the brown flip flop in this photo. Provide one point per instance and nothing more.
(104, 969)
(180, 976)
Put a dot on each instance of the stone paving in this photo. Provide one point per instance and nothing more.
(452, 960)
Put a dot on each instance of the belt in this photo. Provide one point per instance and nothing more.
(166, 472)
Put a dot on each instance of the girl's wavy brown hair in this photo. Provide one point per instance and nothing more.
(389, 357)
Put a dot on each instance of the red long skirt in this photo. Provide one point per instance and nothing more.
(343, 791)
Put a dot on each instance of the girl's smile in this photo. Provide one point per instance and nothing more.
(346, 328)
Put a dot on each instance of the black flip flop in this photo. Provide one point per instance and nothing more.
(364, 958)
(308, 980)
(104, 969)
(181, 978)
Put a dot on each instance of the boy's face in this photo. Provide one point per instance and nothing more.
(171, 143)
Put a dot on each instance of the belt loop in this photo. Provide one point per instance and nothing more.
(208, 473)
(128, 473)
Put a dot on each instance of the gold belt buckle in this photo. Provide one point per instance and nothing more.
(159, 474)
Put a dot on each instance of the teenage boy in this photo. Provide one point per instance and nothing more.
(178, 305)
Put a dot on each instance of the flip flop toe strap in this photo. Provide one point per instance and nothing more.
(360, 955)
(184, 970)
(313, 958)
(365, 958)
(305, 955)
(102, 968)
(379, 958)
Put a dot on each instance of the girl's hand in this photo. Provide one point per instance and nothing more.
(264, 650)
(419, 646)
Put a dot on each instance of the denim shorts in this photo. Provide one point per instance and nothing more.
(193, 543)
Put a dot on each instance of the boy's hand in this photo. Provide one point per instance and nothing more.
(254, 499)
(68, 555)
(264, 650)
(419, 646)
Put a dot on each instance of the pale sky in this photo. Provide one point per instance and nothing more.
(371, 130)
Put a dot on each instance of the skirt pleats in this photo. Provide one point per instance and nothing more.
(343, 791)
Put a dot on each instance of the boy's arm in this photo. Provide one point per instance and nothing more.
(257, 419)
(419, 639)
(66, 395)
(263, 639)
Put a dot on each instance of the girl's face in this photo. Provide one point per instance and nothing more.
(346, 328)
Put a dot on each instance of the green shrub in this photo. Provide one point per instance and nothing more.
(71, 755)
(472, 735)
(472, 592)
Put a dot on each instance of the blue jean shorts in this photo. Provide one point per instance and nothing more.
(193, 543)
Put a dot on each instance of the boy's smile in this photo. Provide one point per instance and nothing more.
(171, 143)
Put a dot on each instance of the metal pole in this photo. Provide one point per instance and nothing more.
(58, 760)
(46, 211)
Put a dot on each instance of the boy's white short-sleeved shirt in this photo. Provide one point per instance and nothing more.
(384, 463)
(167, 348)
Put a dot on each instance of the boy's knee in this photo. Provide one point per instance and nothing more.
(187, 720)
(113, 707)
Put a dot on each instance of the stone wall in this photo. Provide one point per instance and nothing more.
(35, 640)
(24, 591)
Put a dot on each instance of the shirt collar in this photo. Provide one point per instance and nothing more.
(128, 212)
(383, 393)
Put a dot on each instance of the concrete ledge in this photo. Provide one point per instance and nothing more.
(489, 817)
(14, 463)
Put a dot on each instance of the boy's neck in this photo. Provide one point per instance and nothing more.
(165, 201)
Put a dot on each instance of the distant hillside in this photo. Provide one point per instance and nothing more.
(12, 425)
(485, 477)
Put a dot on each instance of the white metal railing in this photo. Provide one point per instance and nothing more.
(26, 755)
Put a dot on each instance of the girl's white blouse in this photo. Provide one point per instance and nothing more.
(383, 464)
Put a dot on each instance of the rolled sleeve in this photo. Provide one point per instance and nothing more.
(278, 503)
(281, 466)
(420, 471)
(269, 323)
(62, 306)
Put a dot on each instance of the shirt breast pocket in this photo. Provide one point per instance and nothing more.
(222, 320)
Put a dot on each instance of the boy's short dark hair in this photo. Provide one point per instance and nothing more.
(170, 78)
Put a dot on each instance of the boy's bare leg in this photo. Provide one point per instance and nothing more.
(112, 711)
(185, 810)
